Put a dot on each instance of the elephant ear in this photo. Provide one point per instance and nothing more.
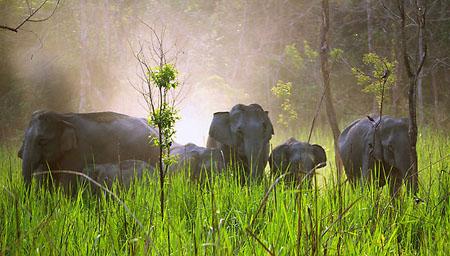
(20, 153)
(279, 159)
(220, 128)
(269, 123)
(68, 137)
(320, 158)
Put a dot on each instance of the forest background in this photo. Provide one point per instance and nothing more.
(227, 52)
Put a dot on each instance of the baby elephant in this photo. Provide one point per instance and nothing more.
(124, 173)
(198, 162)
(297, 159)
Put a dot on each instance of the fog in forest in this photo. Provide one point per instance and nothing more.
(227, 52)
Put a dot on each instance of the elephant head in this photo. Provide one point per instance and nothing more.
(198, 162)
(298, 159)
(245, 133)
(47, 138)
(208, 160)
(369, 142)
(389, 145)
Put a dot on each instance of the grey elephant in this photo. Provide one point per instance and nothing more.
(198, 162)
(70, 141)
(298, 160)
(123, 173)
(370, 142)
(243, 135)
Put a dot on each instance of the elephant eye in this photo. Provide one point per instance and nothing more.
(264, 125)
(239, 131)
(390, 148)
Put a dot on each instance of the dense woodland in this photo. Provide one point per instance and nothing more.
(82, 57)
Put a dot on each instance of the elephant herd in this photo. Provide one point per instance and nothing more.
(109, 147)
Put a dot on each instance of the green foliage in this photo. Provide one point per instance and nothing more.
(44, 223)
(164, 77)
(336, 53)
(310, 53)
(288, 113)
(164, 116)
(293, 56)
(381, 78)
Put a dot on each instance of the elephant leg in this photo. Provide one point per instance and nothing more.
(411, 182)
(395, 183)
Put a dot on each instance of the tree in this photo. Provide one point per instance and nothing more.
(413, 72)
(379, 81)
(331, 114)
(160, 79)
(325, 68)
(287, 115)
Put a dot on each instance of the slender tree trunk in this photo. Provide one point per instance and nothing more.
(369, 25)
(435, 98)
(331, 114)
(413, 76)
(370, 44)
(397, 88)
(85, 76)
(325, 67)
(420, 76)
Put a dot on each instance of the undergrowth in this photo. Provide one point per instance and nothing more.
(223, 217)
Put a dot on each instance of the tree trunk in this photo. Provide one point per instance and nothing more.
(85, 76)
(399, 73)
(370, 44)
(413, 77)
(420, 76)
(325, 68)
(435, 98)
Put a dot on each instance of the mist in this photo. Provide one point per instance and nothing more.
(227, 52)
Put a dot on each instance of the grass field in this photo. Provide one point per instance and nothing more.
(225, 218)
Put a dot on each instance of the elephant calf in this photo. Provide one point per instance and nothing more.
(369, 141)
(297, 159)
(124, 173)
(198, 162)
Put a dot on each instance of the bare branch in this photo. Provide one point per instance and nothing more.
(31, 15)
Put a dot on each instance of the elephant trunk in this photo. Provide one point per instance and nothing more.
(30, 162)
(256, 160)
(404, 164)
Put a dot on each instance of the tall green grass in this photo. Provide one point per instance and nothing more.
(221, 216)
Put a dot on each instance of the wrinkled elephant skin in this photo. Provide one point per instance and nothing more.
(71, 141)
(297, 160)
(243, 135)
(367, 143)
(199, 163)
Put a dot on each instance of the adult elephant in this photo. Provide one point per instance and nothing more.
(297, 160)
(71, 141)
(198, 162)
(243, 135)
(370, 142)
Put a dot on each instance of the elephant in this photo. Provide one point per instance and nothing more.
(243, 135)
(124, 172)
(198, 162)
(70, 141)
(370, 142)
(297, 160)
